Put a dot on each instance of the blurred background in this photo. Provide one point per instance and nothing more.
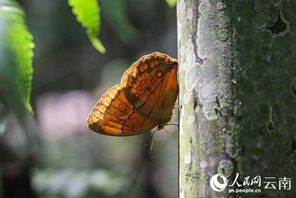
(54, 154)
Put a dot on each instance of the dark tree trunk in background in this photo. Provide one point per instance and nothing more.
(16, 182)
(238, 93)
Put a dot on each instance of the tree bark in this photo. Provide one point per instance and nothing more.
(237, 94)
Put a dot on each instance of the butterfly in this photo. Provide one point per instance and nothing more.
(143, 100)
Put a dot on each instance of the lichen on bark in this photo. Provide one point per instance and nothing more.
(237, 91)
(207, 60)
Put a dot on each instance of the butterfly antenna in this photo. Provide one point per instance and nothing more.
(151, 138)
(166, 131)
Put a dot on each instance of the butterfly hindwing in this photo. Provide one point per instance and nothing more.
(114, 115)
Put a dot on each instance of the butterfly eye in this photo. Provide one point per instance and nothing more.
(159, 73)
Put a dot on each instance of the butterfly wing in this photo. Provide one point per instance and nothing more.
(151, 86)
(144, 99)
(114, 115)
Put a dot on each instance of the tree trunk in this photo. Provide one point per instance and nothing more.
(237, 81)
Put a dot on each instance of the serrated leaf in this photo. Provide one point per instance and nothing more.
(16, 52)
(88, 14)
(172, 3)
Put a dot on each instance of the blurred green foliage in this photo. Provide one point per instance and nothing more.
(172, 3)
(15, 55)
(117, 17)
(79, 183)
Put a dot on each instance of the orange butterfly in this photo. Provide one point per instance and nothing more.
(144, 99)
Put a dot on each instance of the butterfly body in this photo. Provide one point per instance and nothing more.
(144, 99)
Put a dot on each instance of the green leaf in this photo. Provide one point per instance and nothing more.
(16, 52)
(172, 3)
(88, 14)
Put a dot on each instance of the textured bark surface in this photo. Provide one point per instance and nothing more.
(237, 91)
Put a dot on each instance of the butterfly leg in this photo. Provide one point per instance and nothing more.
(152, 139)
(173, 123)
(178, 107)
